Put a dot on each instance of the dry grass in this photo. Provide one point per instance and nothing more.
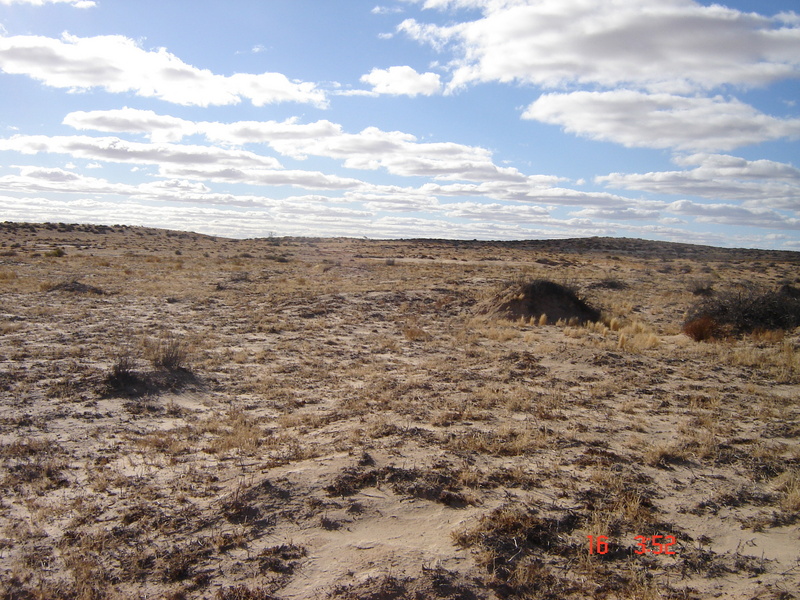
(296, 417)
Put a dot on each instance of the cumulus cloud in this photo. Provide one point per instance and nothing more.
(386, 10)
(370, 149)
(159, 127)
(533, 191)
(640, 119)
(617, 214)
(260, 177)
(117, 64)
(55, 181)
(276, 216)
(665, 45)
(495, 212)
(718, 176)
(402, 81)
(32, 180)
(729, 214)
(118, 150)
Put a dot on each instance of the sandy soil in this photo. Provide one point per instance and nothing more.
(193, 417)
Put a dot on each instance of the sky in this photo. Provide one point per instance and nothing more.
(674, 120)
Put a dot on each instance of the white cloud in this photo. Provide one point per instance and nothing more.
(397, 152)
(250, 132)
(32, 180)
(660, 120)
(402, 81)
(117, 150)
(715, 176)
(401, 154)
(117, 64)
(617, 214)
(259, 176)
(386, 10)
(666, 45)
(75, 3)
(533, 191)
(159, 128)
(494, 212)
(172, 129)
(729, 214)
(467, 173)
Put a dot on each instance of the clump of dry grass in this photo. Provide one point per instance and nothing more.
(664, 454)
(414, 333)
(508, 440)
(34, 463)
(168, 352)
(788, 485)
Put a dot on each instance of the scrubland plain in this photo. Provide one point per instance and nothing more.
(185, 416)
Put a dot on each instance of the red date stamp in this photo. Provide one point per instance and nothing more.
(655, 544)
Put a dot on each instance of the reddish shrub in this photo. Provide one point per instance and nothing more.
(702, 329)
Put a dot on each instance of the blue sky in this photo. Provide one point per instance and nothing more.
(673, 120)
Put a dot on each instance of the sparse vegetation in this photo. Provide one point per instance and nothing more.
(168, 352)
(744, 309)
(194, 417)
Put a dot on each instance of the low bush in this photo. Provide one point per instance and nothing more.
(702, 329)
(744, 309)
(701, 288)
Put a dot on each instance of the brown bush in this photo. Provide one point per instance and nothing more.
(702, 329)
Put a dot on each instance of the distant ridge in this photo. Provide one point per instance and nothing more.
(625, 246)
(605, 245)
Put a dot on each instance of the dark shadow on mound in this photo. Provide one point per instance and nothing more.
(132, 384)
(542, 297)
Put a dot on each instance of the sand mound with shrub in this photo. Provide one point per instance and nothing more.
(541, 297)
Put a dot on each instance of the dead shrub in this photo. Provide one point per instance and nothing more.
(281, 559)
(242, 592)
(702, 329)
(509, 541)
(747, 307)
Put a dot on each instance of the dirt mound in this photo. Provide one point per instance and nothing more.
(541, 297)
(76, 287)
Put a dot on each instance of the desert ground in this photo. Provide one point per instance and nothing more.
(185, 416)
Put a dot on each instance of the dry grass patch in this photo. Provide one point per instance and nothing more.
(509, 543)
(507, 440)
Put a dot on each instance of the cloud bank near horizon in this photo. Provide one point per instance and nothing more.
(677, 78)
